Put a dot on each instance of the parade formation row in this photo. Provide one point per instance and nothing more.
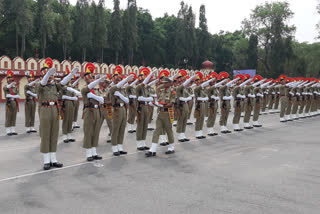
(122, 100)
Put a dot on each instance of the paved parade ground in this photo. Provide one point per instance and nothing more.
(274, 169)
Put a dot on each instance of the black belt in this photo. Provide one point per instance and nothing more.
(117, 106)
(164, 110)
(91, 106)
(49, 103)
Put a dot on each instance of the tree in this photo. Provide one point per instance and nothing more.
(45, 24)
(82, 27)
(269, 22)
(252, 52)
(115, 33)
(203, 35)
(64, 26)
(99, 28)
(130, 29)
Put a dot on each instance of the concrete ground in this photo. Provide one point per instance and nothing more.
(274, 169)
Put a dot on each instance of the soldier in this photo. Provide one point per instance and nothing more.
(284, 99)
(271, 97)
(92, 113)
(248, 102)
(277, 97)
(166, 98)
(119, 101)
(238, 98)
(303, 98)
(106, 106)
(30, 105)
(264, 100)
(225, 98)
(48, 95)
(182, 105)
(131, 92)
(144, 99)
(257, 91)
(190, 103)
(213, 96)
(69, 97)
(11, 93)
(152, 94)
(200, 107)
(297, 101)
(75, 86)
(163, 136)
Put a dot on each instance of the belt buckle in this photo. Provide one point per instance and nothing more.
(51, 103)
(96, 106)
(121, 104)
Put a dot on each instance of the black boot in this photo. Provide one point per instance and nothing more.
(150, 154)
(46, 166)
(56, 165)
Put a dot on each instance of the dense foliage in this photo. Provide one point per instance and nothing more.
(89, 31)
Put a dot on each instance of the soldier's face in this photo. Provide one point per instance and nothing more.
(104, 85)
(116, 79)
(167, 84)
(9, 80)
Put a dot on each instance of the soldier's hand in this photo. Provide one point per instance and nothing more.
(52, 71)
(74, 71)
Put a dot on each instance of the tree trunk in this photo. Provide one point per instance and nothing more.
(44, 44)
(117, 57)
(101, 55)
(23, 43)
(64, 49)
(17, 41)
(84, 54)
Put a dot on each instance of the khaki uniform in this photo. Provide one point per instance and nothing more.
(92, 116)
(200, 107)
(152, 93)
(213, 95)
(284, 99)
(295, 102)
(277, 99)
(257, 104)
(238, 103)
(48, 97)
(106, 109)
(30, 106)
(76, 107)
(264, 99)
(225, 106)
(191, 102)
(163, 122)
(143, 116)
(119, 116)
(307, 90)
(271, 97)
(182, 109)
(302, 101)
(11, 106)
(68, 112)
(248, 104)
(313, 101)
(130, 90)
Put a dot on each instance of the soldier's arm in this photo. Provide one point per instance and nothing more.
(85, 91)
(26, 88)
